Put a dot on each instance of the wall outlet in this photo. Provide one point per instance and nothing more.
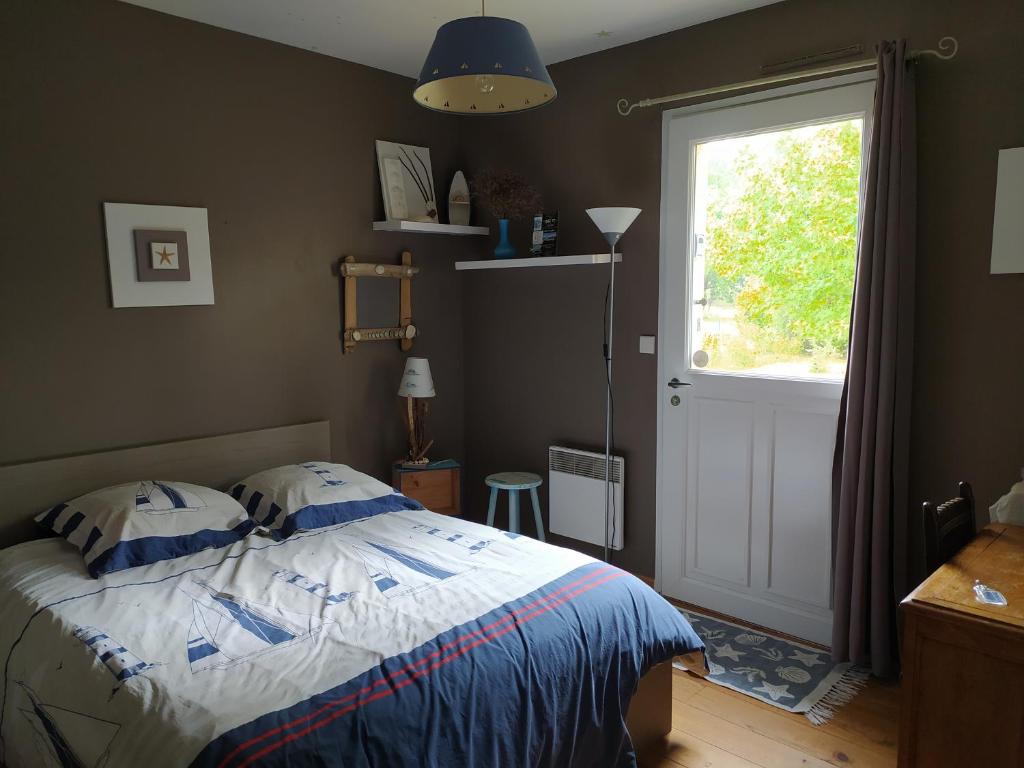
(646, 345)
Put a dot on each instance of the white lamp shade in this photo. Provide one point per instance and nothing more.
(416, 381)
(613, 221)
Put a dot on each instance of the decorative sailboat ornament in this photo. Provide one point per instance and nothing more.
(459, 209)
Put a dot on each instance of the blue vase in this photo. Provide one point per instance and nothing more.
(504, 249)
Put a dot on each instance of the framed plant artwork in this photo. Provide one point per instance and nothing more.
(406, 182)
(159, 255)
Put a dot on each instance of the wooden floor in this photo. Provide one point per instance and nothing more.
(714, 727)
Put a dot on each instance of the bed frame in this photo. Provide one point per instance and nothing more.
(218, 462)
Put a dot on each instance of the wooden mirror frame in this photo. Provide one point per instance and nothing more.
(405, 331)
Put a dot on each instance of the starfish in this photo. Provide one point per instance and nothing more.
(165, 255)
(776, 692)
(807, 658)
(728, 652)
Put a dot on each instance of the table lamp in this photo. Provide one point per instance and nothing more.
(417, 385)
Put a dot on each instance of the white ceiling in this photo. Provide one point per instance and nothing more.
(395, 35)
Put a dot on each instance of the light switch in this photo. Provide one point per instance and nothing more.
(646, 345)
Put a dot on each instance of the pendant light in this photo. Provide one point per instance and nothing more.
(483, 65)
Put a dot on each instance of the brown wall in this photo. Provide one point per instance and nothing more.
(104, 101)
(532, 337)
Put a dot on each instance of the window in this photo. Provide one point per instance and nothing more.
(775, 216)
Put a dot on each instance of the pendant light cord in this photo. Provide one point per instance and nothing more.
(483, 8)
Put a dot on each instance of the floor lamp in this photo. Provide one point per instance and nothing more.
(613, 223)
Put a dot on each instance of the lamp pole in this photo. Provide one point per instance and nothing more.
(612, 222)
(612, 238)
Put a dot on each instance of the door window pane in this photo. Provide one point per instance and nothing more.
(772, 263)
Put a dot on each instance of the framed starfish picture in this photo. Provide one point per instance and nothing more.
(159, 255)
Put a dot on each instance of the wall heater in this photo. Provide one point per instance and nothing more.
(576, 495)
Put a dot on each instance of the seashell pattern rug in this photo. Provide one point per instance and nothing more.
(786, 674)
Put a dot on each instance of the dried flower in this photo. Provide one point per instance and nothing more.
(506, 194)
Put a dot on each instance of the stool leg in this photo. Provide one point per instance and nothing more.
(513, 511)
(491, 505)
(536, 514)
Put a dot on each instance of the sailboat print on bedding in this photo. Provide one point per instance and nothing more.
(68, 739)
(228, 629)
(471, 543)
(324, 473)
(306, 584)
(119, 661)
(156, 498)
(397, 573)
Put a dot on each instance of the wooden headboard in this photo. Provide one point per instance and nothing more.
(216, 462)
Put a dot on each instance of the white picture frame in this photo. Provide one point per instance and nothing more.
(126, 290)
(406, 182)
(1007, 221)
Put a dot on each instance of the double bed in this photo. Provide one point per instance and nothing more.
(405, 638)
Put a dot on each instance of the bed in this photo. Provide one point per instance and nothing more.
(485, 648)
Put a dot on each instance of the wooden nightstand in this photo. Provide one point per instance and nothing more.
(437, 486)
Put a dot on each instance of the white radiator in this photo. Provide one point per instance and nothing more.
(576, 495)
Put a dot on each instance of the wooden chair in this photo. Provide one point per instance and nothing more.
(948, 527)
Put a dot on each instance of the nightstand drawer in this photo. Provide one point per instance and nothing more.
(435, 489)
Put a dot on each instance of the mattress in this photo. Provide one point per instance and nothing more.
(406, 638)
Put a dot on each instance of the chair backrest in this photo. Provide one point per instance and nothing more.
(948, 527)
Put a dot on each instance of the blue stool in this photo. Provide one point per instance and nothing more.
(514, 482)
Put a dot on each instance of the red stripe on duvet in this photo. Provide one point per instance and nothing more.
(391, 676)
(516, 622)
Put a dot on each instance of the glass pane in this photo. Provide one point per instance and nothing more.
(775, 237)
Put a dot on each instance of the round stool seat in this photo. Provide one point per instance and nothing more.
(514, 481)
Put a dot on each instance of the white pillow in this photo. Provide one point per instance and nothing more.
(316, 494)
(147, 521)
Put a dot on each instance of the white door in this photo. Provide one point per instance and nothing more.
(760, 208)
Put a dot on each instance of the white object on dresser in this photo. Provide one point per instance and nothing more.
(1007, 223)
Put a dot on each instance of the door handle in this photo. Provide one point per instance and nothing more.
(676, 383)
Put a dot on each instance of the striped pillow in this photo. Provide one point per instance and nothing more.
(316, 494)
(144, 522)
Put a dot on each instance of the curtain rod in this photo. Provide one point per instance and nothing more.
(947, 49)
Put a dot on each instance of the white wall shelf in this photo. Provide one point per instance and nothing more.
(536, 261)
(428, 228)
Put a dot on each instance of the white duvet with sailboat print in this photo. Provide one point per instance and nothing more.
(283, 652)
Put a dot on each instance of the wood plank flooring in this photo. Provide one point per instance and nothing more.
(714, 727)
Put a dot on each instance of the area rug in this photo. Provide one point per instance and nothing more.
(783, 673)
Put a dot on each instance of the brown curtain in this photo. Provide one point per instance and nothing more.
(869, 475)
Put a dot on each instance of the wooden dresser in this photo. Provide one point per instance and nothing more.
(963, 661)
(437, 486)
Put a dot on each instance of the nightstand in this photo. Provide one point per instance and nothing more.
(437, 485)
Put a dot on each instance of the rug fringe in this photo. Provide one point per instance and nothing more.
(842, 692)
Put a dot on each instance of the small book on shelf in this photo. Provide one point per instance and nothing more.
(545, 235)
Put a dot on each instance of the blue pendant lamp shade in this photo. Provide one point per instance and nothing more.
(483, 65)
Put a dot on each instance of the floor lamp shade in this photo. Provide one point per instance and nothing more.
(416, 380)
(613, 221)
(483, 65)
